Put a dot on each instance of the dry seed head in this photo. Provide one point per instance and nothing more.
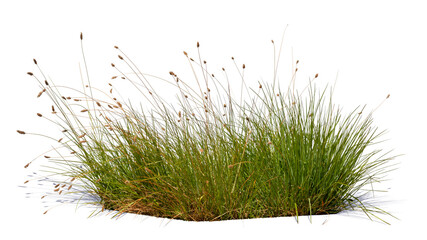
(72, 179)
(26, 182)
(40, 93)
(45, 212)
(69, 187)
(225, 105)
(315, 76)
(213, 75)
(121, 58)
(60, 140)
(20, 132)
(272, 41)
(45, 82)
(76, 100)
(198, 45)
(179, 114)
(277, 94)
(63, 97)
(260, 86)
(111, 91)
(113, 77)
(99, 104)
(39, 114)
(84, 134)
(223, 69)
(116, 47)
(110, 84)
(43, 197)
(112, 64)
(53, 108)
(28, 164)
(192, 59)
(84, 110)
(232, 58)
(296, 69)
(244, 66)
(186, 96)
(60, 192)
(82, 141)
(123, 78)
(185, 53)
(204, 61)
(297, 61)
(46, 156)
(387, 96)
(65, 130)
(120, 105)
(30, 73)
(81, 36)
(35, 61)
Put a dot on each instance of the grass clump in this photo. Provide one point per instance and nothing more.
(212, 156)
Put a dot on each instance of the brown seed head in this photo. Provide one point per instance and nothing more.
(315, 76)
(186, 96)
(260, 86)
(46, 156)
(82, 141)
(296, 69)
(99, 104)
(28, 164)
(40, 93)
(232, 58)
(225, 105)
(113, 77)
(60, 140)
(121, 58)
(192, 59)
(116, 47)
(35, 61)
(43, 197)
(198, 45)
(223, 69)
(213, 75)
(45, 212)
(20, 132)
(185, 53)
(84, 134)
(45, 82)
(387, 96)
(112, 64)
(297, 61)
(204, 62)
(26, 182)
(30, 73)
(244, 66)
(272, 41)
(39, 114)
(81, 36)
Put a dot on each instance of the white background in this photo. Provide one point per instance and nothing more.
(375, 47)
